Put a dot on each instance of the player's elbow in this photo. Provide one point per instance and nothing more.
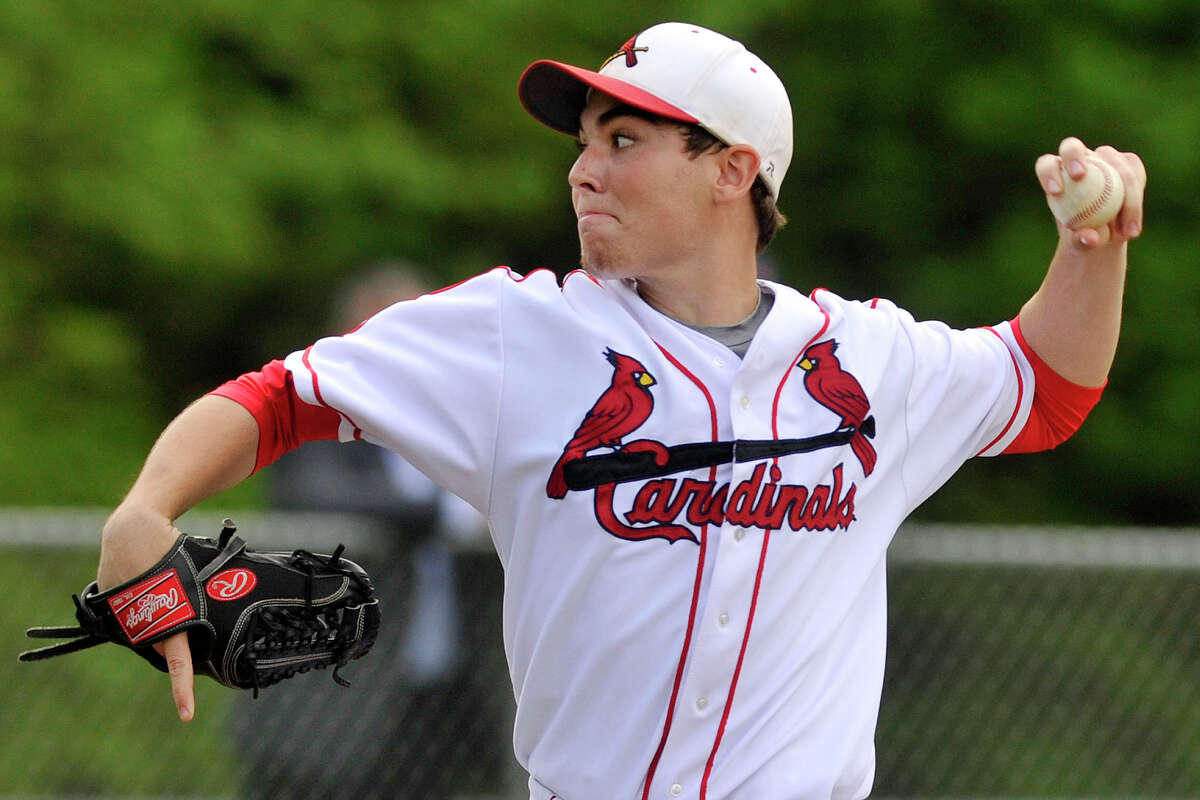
(1054, 418)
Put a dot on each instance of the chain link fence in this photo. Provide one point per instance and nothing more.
(1060, 663)
(1022, 663)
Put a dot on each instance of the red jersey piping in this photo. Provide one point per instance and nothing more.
(317, 392)
(691, 623)
(1020, 392)
(762, 562)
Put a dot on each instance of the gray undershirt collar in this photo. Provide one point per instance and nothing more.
(738, 337)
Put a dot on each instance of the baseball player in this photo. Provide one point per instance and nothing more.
(691, 475)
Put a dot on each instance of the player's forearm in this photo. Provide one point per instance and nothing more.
(208, 448)
(1073, 320)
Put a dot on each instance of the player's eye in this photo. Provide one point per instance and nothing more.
(621, 141)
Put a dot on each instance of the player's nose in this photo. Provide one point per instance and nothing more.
(585, 172)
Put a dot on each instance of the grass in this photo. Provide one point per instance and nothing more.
(100, 722)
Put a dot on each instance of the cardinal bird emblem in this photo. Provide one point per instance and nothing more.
(621, 409)
(841, 393)
(629, 50)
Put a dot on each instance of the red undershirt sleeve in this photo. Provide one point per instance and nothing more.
(1059, 406)
(284, 420)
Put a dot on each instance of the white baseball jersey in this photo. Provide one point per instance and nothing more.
(693, 544)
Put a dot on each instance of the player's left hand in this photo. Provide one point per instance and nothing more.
(1072, 153)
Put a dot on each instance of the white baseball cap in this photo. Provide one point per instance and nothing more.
(681, 72)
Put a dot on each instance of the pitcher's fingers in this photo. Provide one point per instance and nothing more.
(1072, 151)
(179, 666)
(1133, 175)
(1048, 175)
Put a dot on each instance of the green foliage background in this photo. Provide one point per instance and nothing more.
(183, 186)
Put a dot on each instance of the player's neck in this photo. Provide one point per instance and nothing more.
(707, 293)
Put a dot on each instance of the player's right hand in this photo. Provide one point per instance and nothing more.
(1073, 154)
(132, 541)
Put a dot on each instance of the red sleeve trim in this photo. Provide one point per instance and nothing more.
(1059, 406)
(284, 420)
(1020, 394)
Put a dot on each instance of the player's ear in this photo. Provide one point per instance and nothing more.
(737, 170)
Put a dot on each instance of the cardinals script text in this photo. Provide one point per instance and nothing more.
(660, 505)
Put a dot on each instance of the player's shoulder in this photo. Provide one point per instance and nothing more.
(537, 300)
(880, 316)
(507, 287)
(838, 308)
(501, 276)
(538, 281)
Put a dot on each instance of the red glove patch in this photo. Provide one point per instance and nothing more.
(151, 606)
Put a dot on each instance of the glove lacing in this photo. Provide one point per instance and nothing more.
(287, 634)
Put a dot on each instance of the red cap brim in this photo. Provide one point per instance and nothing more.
(555, 94)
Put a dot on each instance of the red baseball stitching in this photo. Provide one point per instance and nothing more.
(1100, 200)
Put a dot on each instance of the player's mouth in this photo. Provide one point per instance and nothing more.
(589, 218)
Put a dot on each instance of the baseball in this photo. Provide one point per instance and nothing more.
(1091, 201)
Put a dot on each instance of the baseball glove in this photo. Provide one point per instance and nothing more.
(253, 619)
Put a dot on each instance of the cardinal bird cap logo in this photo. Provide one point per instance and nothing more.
(629, 50)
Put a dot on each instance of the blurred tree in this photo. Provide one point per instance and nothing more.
(183, 186)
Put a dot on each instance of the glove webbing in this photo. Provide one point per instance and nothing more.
(280, 668)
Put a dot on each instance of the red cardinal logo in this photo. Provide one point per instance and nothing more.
(842, 394)
(623, 407)
(629, 50)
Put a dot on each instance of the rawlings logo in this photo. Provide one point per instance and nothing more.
(152, 606)
(149, 605)
(232, 584)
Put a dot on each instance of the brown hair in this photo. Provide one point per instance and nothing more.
(698, 141)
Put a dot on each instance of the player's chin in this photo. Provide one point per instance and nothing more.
(599, 261)
(608, 257)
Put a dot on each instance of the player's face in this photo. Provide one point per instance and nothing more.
(640, 200)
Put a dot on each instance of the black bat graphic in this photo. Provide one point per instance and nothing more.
(624, 465)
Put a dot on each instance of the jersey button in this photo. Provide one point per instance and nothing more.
(701, 703)
(676, 790)
(723, 620)
(739, 534)
(745, 401)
